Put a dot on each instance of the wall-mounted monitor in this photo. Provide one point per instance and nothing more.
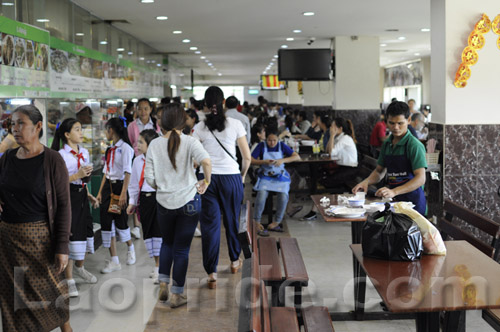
(271, 82)
(310, 64)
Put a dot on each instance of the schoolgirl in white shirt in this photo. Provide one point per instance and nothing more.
(117, 170)
(67, 137)
(142, 198)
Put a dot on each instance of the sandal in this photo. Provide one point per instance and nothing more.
(263, 233)
(278, 229)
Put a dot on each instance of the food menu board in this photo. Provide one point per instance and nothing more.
(83, 73)
(24, 60)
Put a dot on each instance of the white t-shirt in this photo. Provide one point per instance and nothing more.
(344, 149)
(222, 163)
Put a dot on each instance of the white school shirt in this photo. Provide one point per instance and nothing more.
(124, 154)
(135, 177)
(72, 162)
(222, 163)
(344, 149)
(142, 126)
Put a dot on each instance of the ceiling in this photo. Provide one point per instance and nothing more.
(240, 37)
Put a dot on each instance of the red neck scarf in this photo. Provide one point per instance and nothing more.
(78, 156)
(141, 181)
(111, 157)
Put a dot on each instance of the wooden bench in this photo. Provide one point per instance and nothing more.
(448, 228)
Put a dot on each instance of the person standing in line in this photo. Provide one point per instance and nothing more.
(34, 230)
(143, 197)
(115, 181)
(69, 132)
(219, 136)
(144, 121)
(169, 169)
(231, 112)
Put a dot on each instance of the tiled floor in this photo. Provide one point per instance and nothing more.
(124, 301)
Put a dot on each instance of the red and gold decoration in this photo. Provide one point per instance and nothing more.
(475, 42)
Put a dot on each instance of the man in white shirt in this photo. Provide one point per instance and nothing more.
(231, 112)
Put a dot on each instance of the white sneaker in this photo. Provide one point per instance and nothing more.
(130, 257)
(197, 232)
(88, 277)
(72, 290)
(136, 232)
(111, 267)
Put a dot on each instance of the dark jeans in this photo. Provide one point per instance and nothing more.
(177, 228)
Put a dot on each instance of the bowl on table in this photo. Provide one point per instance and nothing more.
(356, 202)
(307, 142)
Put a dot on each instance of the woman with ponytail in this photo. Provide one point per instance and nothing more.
(67, 138)
(219, 136)
(169, 169)
(117, 170)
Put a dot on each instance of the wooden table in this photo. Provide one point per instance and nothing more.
(313, 161)
(464, 279)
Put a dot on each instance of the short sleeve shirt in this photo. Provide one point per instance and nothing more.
(72, 162)
(414, 148)
(122, 163)
(259, 150)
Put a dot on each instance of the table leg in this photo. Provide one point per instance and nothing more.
(454, 321)
(359, 294)
(427, 321)
(314, 178)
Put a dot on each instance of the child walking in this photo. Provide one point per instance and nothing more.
(143, 196)
(67, 138)
(116, 179)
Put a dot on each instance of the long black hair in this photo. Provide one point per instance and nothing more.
(173, 118)
(214, 100)
(257, 128)
(59, 136)
(152, 115)
(346, 126)
(119, 127)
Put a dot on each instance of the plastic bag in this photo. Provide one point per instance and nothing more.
(432, 240)
(390, 235)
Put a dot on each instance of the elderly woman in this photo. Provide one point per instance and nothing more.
(34, 230)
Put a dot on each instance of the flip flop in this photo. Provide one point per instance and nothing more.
(263, 233)
(278, 229)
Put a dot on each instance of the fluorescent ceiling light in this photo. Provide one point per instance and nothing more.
(401, 38)
(219, 74)
(193, 48)
(210, 64)
(130, 53)
(154, 100)
(159, 65)
(297, 31)
(21, 101)
(284, 46)
(120, 49)
(186, 41)
(141, 58)
(135, 100)
(8, 3)
(425, 29)
(172, 86)
(416, 53)
(383, 45)
(197, 52)
(43, 20)
(103, 42)
(289, 39)
(147, 1)
(203, 57)
(308, 13)
(161, 18)
(79, 34)
(276, 56)
(177, 32)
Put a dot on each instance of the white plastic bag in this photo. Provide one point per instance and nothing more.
(433, 242)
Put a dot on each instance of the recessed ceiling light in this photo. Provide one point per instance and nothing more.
(177, 32)
(43, 20)
(297, 31)
(79, 34)
(181, 75)
(210, 64)
(219, 74)
(416, 53)
(120, 49)
(147, 1)
(197, 52)
(425, 29)
(8, 3)
(186, 41)
(207, 61)
(193, 48)
(130, 53)
(159, 65)
(383, 45)
(284, 46)
(308, 13)
(289, 39)
(401, 38)
(276, 56)
(203, 57)
(141, 58)
(273, 59)
(153, 61)
(103, 42)
(161, 18)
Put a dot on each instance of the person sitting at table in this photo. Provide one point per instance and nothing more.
(402, 157)
(342, 147)
(418, 123)
(302, 123)
(324, 122)
(314, 131)
(271, 156)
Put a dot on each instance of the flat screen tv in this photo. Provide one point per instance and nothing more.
(305, 64)
(271, 82)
